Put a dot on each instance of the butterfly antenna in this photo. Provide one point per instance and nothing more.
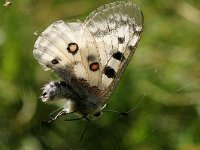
(74, 119)
(138, 103)
(86, 127)
(128, 112)
(117, 112)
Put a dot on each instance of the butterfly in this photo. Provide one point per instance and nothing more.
(90, 56)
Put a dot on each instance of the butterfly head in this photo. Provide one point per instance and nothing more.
(89, 110)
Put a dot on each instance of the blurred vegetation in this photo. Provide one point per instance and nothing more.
(160, 86)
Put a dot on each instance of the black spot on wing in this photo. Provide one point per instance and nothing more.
(121, 40)
(118, 55)
(91, 58)
(72, 48)
(109, 72)
(131, 47)
(54, 61)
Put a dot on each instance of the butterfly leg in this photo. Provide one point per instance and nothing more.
(62, 112)
(57, 89)
(117, 112)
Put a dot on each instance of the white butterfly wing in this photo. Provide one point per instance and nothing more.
(91, 56)
(70, 50)
(117, 28)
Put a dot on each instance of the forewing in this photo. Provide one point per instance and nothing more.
(116, 28)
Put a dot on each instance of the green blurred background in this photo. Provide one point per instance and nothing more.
(160, 85)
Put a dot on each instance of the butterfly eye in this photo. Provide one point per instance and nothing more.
(72, 48)
(119, 56)
(94, 66)
(109, 72)
(97, 114)
(54, 61)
